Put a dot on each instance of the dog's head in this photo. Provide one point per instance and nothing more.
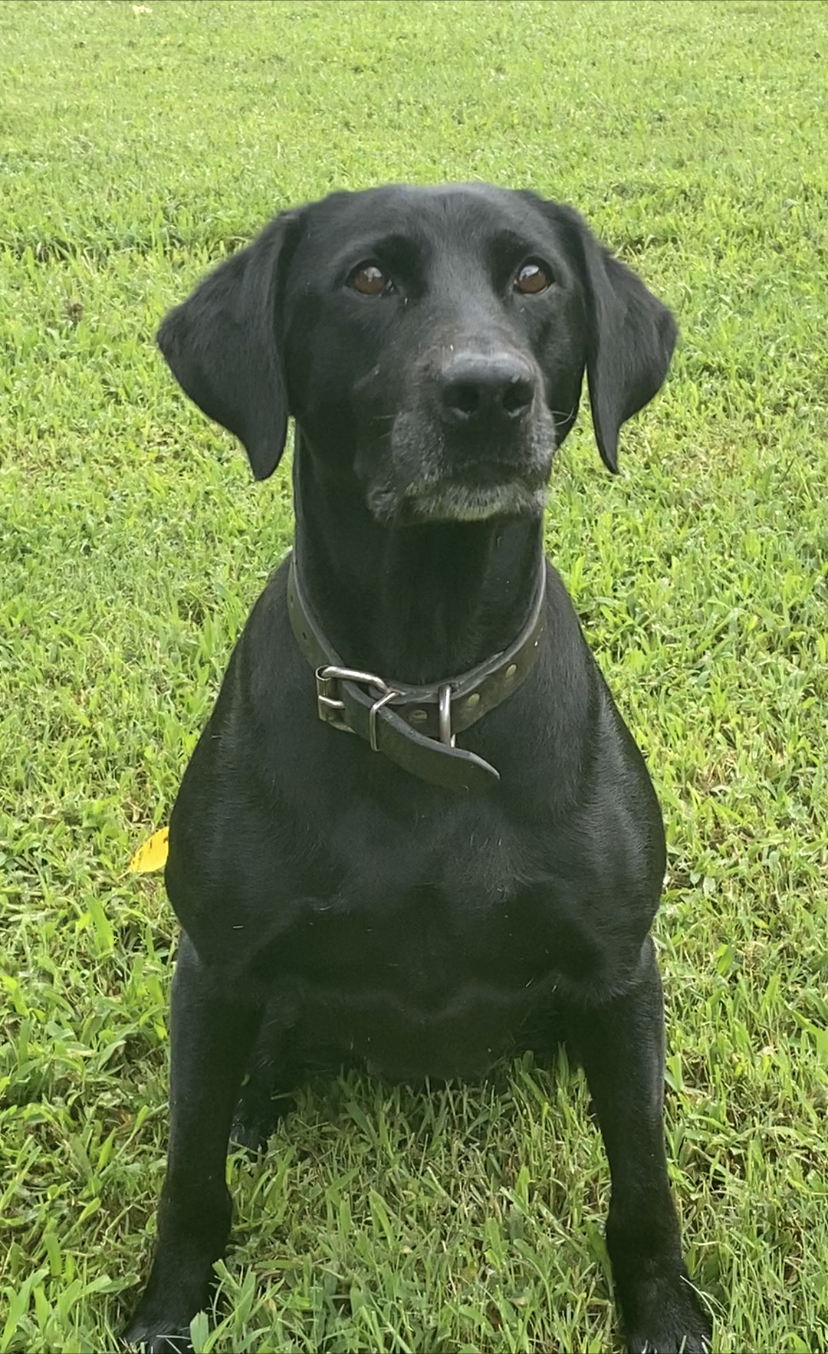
(430, 342)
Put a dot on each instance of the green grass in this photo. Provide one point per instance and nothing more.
(138, 147)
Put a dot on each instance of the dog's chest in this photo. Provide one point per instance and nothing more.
(428, 973)
(423, 984)
(419, 936)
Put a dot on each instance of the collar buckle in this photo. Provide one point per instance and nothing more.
(329, 704)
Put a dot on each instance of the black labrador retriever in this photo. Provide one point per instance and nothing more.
(416, 828)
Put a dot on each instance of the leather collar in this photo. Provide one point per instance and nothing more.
(415, 726)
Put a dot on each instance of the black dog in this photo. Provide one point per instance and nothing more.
(419, 902)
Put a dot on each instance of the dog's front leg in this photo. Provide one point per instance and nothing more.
(211, 1038)
(621, 1045)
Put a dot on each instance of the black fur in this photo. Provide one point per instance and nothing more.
(330, 900)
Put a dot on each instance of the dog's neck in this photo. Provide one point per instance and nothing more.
(412, 603)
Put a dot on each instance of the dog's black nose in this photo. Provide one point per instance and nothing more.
(485, 385)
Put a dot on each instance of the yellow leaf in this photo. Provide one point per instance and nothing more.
(152, 855)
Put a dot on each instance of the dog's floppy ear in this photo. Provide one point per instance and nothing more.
(223, 347)
(630, 343)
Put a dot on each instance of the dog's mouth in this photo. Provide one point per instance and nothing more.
(457, 500)
(468, 494)
(428, 476)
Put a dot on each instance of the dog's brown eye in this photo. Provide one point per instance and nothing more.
(531, 279)
(369, 280)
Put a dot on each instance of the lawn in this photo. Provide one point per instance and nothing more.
(140, 144)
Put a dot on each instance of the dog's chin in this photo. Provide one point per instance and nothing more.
(453, 501)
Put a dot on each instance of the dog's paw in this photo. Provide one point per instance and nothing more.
(665, 1316)
(157, 1336)
(259, 1109)
(253, 1123)
(161, 1321)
